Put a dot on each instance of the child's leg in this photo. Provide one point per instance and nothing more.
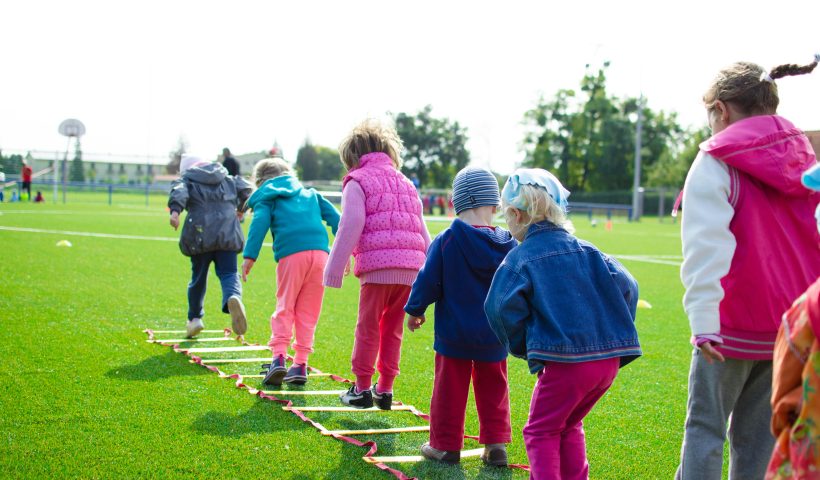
(391, 328)
(564, 393)
(451, 386)
(749, 433)
(309, 306)
(492, 399)
(290, 275)
(713, 391)
(373, 299)
(200, 265)
(225, 263)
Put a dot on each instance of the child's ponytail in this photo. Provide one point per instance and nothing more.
(790, 69)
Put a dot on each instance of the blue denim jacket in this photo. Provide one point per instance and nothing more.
(556, 298)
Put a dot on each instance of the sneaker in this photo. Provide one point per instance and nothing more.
(297, 375)
(495, 454)
(194, 326)
(276, 371)
(238, 321)
(357, 399)
(382, 400)
(446, 456)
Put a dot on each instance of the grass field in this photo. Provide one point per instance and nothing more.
(84, 395)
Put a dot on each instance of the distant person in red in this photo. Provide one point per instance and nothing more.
(26, 173)
(39, 198)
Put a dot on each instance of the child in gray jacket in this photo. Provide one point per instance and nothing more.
(211, 233)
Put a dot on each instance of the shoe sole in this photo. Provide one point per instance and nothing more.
(448, 461)
(275, 377)
(295, 380)
(193, 333)
(238, 320)
(350, 404)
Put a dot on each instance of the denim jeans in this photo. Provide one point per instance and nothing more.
(225, 264)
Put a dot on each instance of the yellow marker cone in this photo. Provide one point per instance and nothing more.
(644, 304)
(63, 243)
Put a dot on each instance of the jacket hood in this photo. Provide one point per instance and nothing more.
(767, 147)
(483, 249)
(210, 174)
(281, 186)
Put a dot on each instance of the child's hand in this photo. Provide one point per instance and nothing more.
(240, 215)
(247, 265)
(174, 220)
(710, 353)
(347, 267)
(413, 323)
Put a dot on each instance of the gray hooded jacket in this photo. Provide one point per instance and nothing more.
(212, 198)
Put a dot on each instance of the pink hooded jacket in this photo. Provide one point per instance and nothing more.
(776, 255)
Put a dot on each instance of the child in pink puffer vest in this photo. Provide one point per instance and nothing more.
(382, 227)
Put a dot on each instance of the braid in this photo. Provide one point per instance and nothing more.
(791, 69)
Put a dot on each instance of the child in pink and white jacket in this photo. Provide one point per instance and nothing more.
(749, 249)
(382, 227)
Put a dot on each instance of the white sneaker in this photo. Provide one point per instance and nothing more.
(239, 322)
(194, 326)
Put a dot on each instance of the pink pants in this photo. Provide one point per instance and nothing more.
(298, 303)
(450, 390)
(554, 434)
(378, 334)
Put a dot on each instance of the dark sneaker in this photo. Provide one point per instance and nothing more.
(193, 327)
(382, 400)
(495, 454)
(357, 399)
(276, 371)
(446, 456)
(239, 322)
(297, 375)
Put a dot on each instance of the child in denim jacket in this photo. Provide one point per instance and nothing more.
(569, 310)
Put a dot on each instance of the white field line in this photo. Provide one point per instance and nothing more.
(657, 259)
(96, 214)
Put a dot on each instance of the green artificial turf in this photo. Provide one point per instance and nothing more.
(83, 394)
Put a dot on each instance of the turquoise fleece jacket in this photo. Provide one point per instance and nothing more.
(294, 216)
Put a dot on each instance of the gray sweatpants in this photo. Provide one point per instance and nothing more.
(742, 388)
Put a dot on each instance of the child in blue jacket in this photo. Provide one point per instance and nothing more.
(566, 308)
(460, 265)
(293, 214)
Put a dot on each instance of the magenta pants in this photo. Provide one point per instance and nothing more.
(450, 390)
(299, 295)
(378, 334)
(562, 397)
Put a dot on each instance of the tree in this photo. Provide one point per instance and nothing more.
(175, 155)
(11, 165)
(589, 139)
(435, 148)
(330, 165)
(307, 162)
(76, 172)
(670, 170)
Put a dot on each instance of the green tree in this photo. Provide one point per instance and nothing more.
(330, 165)
(671, 169)
(76, 173)
(435, 148)
(307, 162)
(175, 155)
(12, 164)
(588, 139)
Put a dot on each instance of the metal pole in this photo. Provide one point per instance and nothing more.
(65, 167)
(636, 181)
(55, 171)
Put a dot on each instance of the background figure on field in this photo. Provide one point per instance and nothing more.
(230, 163)
(26, 174)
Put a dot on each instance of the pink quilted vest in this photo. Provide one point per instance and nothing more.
(777, 255)
(392, 235)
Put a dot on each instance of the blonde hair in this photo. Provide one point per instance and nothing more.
(750, 88)
(368, 137)
(268, 168)
(540, 207)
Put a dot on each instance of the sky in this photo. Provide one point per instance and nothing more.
(245, 74)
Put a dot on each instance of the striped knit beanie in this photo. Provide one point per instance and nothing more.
(475, 187)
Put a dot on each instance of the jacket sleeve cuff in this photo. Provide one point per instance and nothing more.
(333, 281)
(414, 312)
(704, 321)
(699, 340)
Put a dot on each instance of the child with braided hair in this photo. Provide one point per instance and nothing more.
(749, 249)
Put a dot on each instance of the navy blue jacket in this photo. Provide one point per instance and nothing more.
(556, 298)
(460, 265)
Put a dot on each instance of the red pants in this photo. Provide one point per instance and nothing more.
(378, 334)
(450, 390)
